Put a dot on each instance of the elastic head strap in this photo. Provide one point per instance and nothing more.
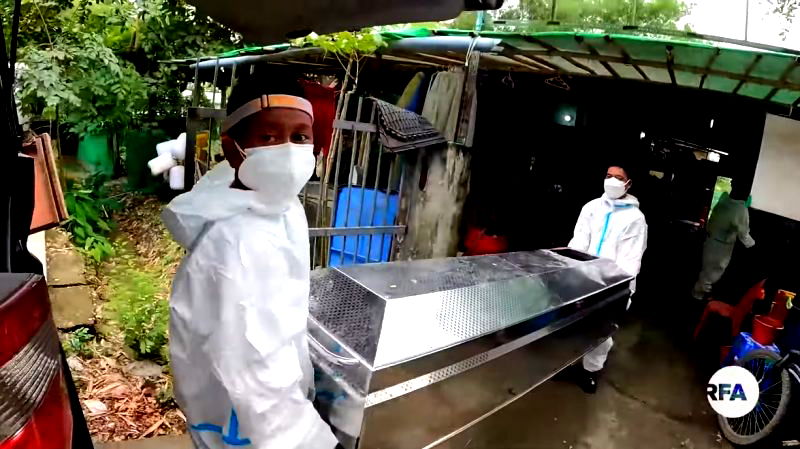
(266, 102)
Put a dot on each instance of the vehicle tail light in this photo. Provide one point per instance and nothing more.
(34, 407)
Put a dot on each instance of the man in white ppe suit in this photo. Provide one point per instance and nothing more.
(610, 227)
(239, 300)
(730, 221)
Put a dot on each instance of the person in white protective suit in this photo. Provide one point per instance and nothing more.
(239, 300)
(730, 221)
(610, 227)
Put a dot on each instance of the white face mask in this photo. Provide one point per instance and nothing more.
(277, 172)
(615, 188)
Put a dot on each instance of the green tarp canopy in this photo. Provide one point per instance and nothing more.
(759, 72)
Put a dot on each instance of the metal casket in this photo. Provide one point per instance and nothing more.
(408, 354)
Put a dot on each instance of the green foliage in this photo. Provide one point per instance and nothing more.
(169, 29)
(346, 43)
(137, 302)
(90, 220)
(600, 14)
(77, 342)
(82, 77)
(96, 64)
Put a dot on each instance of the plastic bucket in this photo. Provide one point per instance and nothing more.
(765, 329)
(140, 147)
(95, 153)
(779, 309)
(477, 242)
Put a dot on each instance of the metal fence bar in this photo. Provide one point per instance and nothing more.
(375, 199)
(353, 148)
(211, 122)
(399, 199)
(338, 138)
(314, 253)
(368, 145)
(356, 230)
(321, 204)
(388, 198)
(339, 145)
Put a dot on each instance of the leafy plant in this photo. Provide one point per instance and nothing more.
(141, 310)
(76, 342)
(352, 45)
(97, 65)
(345, 43)
(84, 80)
(90, 221)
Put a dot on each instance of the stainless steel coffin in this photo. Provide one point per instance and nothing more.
(407, 354)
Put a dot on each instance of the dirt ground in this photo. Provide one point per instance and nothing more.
(651, 396)
(123, 398)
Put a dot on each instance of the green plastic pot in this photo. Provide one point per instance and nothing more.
(95, 153)
(140, 147)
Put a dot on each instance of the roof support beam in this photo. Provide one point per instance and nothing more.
(785, 74)
(513, 53)
(670, 63)
(530, 63)
(442, 58)
(747, 72)
(626, 56)
(681, 67)
(554, 51)
(415, 59)
(710, 62)
(594, 52)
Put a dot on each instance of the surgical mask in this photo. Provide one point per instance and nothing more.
(615, 188)
(278, 172)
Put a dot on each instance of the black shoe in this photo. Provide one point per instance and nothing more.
(587, 380)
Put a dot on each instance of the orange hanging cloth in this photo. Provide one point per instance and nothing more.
(323, 100)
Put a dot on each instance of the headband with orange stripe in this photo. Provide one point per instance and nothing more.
(265, 102)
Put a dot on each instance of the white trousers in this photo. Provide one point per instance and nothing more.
(595, 359)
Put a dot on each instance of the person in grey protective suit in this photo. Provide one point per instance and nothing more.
(730, 221)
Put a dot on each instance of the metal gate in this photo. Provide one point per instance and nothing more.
(353, 202)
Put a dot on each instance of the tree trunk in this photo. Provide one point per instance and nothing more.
(434, 209)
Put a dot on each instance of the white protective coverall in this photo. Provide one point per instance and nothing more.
(238, 314)
(729, 221)
(616, 230)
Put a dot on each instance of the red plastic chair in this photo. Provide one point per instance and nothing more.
(735, 313)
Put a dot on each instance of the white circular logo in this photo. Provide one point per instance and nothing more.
(732, 392)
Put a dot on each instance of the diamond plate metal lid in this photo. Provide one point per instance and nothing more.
(394, 312)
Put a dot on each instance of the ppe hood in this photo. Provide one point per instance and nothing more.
(627, 200)
(210, 200)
